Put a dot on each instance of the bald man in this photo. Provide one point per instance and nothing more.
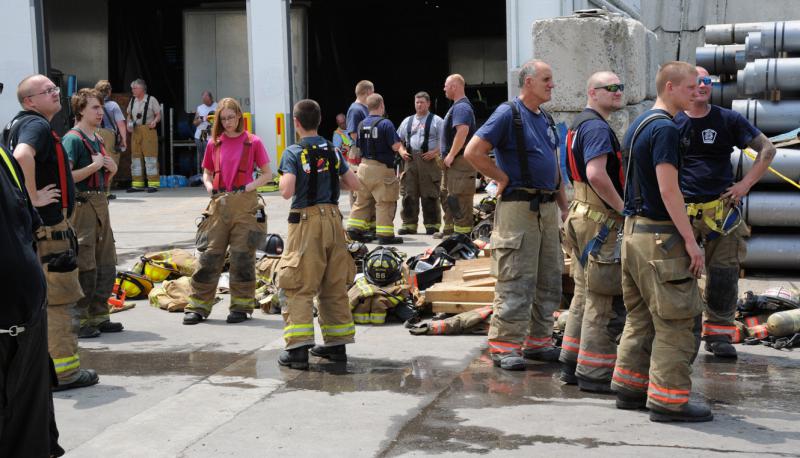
(713, 195)
(48, 180)
(597, 313)
(458, 179)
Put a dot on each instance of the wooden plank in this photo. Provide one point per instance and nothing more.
(487, 281)
(444, 292)
(475, 275)
(454, 274)
(457, 307)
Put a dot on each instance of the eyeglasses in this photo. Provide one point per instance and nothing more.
(228, 118)
(613, 87)
(704, 80)
(53, 90)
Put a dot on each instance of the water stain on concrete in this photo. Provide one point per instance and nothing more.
(201, 363)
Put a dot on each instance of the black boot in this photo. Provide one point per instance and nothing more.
(627, 400)
(333, 353)
(689, 412)
(390, 240)
(236, 317)
(192, 318)
(568, 373)
(86, 377)
(296, 358)
(721, 349)
(550, 354)
(110, 326)
(594, 386)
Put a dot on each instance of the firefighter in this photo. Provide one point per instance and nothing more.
(144, 113)
(380, 186)
(526, 258)
(596, 314)
(421, 177)
(315, 261)
(234, 220)
(458, 179)
(97, 255)
(49, 183)
(661, 262)
(713, 195)
(357, 112)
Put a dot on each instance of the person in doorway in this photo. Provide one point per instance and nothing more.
(144, 114)
(201, 124)
(356, 113)
(341, 139)
(113, 130)
(234, 220)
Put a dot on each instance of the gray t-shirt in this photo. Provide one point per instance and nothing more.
(295, 161)
(114, 115)
(418, 131)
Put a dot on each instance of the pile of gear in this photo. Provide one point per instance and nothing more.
(771, 318)
(382, 290)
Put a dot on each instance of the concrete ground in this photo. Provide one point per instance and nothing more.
(214, 389)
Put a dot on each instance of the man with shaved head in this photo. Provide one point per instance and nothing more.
(661, 262)
(713, 196)
(594, 166)
(458, 179)
(48, 179)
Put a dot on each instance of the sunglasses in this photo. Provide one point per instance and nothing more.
(613, 87)
(704, 80)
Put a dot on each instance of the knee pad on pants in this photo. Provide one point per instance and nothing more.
(151, 165)
(210, 266)
(242, 267)
(721, 288)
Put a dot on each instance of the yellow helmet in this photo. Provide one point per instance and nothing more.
(135, 286)
(156, 271)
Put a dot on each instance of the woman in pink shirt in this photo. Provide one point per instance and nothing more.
(234, 220)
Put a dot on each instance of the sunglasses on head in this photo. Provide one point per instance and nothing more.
(704, 80)
(613, 87)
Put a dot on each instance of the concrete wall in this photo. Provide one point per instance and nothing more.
(78, 38)
(19, 52)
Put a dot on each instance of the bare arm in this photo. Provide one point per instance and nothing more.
(266, 176)
(477, 154)
(667, 176)
(24, 154)
(208, 180)
(458, 142)
(766, 153)
(349, 181)
(85, 172)
(286, 185)
(123, 132)
(561, 198)
(601, 183)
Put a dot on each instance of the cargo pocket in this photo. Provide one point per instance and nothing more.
(201, 237)
(506, 262)
(289, 274)
(604, 271)
(461, 184)
(62, 287)
(675, 291)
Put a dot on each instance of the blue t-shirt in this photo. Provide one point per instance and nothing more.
(355, 114)
(706, 171)
(377, 143)
(592, 139)
(295, 161)
(659, 142)
(540, 145)
(461, 113)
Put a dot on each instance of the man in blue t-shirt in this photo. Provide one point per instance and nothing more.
(355, 114)
(458, 179)
(526, 250)
(661, 262)
(712, 194)
(596, 313)
(380, 185)
(316, 261)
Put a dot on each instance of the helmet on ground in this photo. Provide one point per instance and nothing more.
(273, 246)
(135, 286)
(156, 271)
(383, 266)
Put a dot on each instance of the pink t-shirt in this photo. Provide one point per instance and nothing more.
(231, 149)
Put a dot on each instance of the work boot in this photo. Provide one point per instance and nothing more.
(192, 318)
(237, 317)
(430, 231)
(333, 352)
(110, 326)
(441, 235)
(369, 236)
(88, 332)
(86, 377)
(133, 189)
(689, 412)
(296, 358)
(721, 348)
(631, 401)
(111, 196)
(568, 373)
(404, 231)
(550, 354)
(593, 386)
(510, 363)
(151, 189)
(356, 235)
(391, 240)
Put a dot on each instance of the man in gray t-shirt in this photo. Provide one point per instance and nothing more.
(422, 173)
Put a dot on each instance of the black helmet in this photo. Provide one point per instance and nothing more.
(383, 266)
(273, 246)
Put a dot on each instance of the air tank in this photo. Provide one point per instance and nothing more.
(784, 323)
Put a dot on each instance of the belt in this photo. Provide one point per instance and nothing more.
(222, 191)
(42, 234)
(597, 216)
(518, 195)
(13, 331)
(660, 229)
(699, 199)
(84, 196)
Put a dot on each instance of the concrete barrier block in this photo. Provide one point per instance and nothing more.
(668, 45)
(578, 47)
(652, 64)
(690, 41)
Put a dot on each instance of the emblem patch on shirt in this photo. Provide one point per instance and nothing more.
(709, 135)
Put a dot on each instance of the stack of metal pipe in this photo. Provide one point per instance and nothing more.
(758, 69)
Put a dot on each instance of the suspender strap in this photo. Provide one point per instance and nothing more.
(245, 163)
(111, 121)
(144, 113)
(62, 170)
(94, 179)
(10, 166)
(330, 160)
(428, 122)
(449, 135)
(631, 163)
(522, 152)
(217, 185)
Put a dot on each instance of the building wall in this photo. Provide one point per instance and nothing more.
(78, 38)
(19, 55)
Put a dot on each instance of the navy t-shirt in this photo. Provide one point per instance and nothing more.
(295, 161)
(659, 142)
(355, 114)
(540, 145)
(594, 138)
(382, 136)
(460, 113)
(706, 171)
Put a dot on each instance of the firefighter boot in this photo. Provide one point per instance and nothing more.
(594, 386)
(296, 358)
(721, 348)
(86, 377)
(88, 332)
(110, 326)
(333, 353)
(390, 240)
(568, 373)
(236, 317)
(689, 412)
(549, 354)
(192, 318)
(627, 400)
(510, 363)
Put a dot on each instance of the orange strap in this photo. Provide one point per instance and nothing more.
(62, 170)
(94, 179)
(244, 163)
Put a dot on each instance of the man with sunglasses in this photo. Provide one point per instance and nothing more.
(48, 180)
(713, 193)
(594, 166)
(144, 113)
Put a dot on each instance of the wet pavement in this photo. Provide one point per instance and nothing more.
(215, 389)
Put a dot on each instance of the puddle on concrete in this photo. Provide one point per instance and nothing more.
(202, 363)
